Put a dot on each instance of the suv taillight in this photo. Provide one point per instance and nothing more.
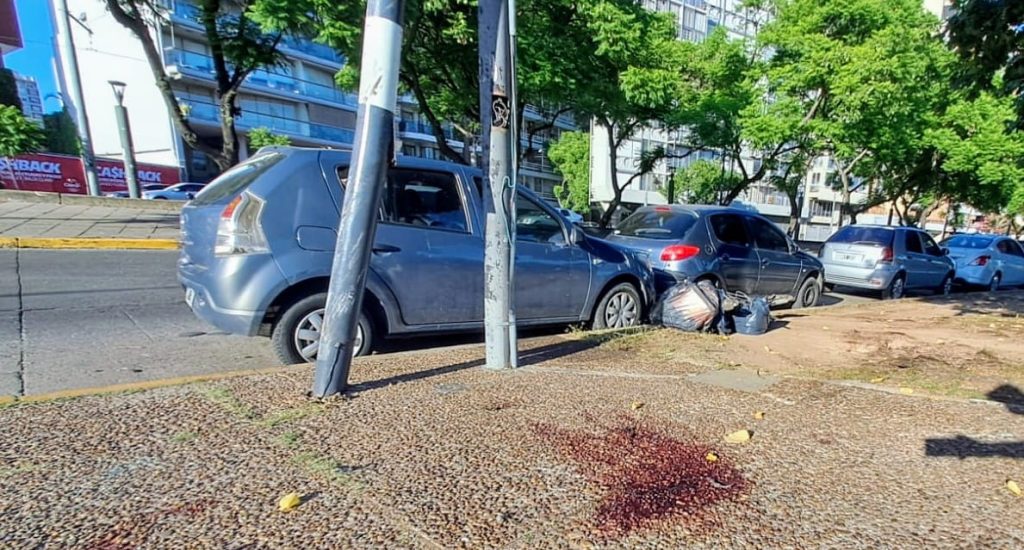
(678, 252)
(886, 256)
(981, 261)
(239, 230)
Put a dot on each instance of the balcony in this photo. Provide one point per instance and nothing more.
(201, 66)
(423, 128)
(209, 112)
(184, 11)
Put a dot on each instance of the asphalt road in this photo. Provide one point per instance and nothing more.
(76, 319)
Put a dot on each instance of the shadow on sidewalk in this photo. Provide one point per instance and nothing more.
(962, 446)
(531, 356)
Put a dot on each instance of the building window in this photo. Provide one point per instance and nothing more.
(822, 208)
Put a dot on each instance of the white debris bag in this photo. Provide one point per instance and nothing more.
(691, 307)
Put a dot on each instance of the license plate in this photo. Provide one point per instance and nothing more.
(190, 296)
(849, 257)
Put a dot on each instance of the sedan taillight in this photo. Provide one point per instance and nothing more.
(678, 252)
(239, 230)
(981, 261)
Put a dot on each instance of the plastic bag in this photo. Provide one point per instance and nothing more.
(689, 307)
(754, 317)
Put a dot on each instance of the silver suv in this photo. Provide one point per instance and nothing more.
(890, 259)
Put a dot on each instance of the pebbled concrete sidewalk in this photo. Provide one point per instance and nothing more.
(60, 221)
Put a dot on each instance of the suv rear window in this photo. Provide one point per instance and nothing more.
(657, 224)
(851, 234)
(236, 179)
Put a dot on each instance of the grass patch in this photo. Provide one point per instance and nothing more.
(285, 416)
(183, 437)
(326, 467)
(289, 439)
(226, 399)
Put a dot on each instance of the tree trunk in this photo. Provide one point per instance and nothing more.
(794, 215)
(606, 218)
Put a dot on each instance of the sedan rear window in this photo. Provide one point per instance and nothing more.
(851, 234)
(657, 224)
(967, 241)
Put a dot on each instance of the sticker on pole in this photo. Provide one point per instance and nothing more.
(378, 85)
(500, 111)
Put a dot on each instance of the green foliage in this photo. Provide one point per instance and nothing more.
(61, 133)
(9, 89)
(988, 37)
(571, 157)
(263, 137)
(17, 133)
(704, 182)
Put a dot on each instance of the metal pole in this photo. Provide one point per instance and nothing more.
(513, 94)
(74, 82)
(378, 94)
(131, 174)
(498, 234)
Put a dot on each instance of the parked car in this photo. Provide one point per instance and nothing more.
(988, 261)
(177, 192)
(258, 242)
(142, 189)
(736, 249)
(889, 259)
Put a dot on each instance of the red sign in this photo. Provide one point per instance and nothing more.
(63, 174)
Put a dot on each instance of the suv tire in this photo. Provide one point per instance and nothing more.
(809, 293)
(300, 324)
(897, 288)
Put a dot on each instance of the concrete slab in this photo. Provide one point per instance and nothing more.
(736, 379)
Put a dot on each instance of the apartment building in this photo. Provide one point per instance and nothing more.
(10, 32)
(297, 99)
(28, 93)
(695, 19)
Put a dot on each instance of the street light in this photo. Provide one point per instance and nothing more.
(130, 173)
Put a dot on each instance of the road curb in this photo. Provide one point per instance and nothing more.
(88, 243)
(143, 386)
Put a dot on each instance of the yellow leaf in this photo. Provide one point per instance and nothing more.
(289, 502)
(711, 457)
(1012, 486)
(906, 391)
(636, 405)
(878, 380)
(741, 436)
(824, 327)
(759, 415)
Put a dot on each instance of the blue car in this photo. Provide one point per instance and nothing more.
(258, 243)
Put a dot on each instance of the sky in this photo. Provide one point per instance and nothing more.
(35, 59)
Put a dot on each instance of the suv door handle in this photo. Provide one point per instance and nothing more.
(385, 249)
(765, 262)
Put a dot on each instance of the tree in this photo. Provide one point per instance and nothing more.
(989, 36)
(238, 46)
(263, 137)
(704, 182)
(17, 133)
(863, 79)
(61, 133)
(9, 89)
(571, 157)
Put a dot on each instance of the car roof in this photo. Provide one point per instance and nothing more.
(698, 209)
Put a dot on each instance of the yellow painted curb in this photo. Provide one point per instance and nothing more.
(85, 243)
(145, 385)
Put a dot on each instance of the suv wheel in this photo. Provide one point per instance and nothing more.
(619, 307)
(808, 294)
(296, 335)
(897, 288)
(946, 288)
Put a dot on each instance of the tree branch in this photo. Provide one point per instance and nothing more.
(411, 79)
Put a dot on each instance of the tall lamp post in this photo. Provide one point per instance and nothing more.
(130, 173)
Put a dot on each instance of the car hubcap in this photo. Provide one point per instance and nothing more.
(307, 336)
(622, 311)
(897, 288)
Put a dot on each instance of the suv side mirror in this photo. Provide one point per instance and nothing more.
(576, 234)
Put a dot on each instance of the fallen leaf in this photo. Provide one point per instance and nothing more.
(878, 380)
(741, 436)
(759, 415)
(1012, 486)
(991, 325)
(289, 502)
(824, 327)
(636, 405)
(767, 349)
(712, 457)
(906, 391)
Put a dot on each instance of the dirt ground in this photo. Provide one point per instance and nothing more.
(600, 440)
